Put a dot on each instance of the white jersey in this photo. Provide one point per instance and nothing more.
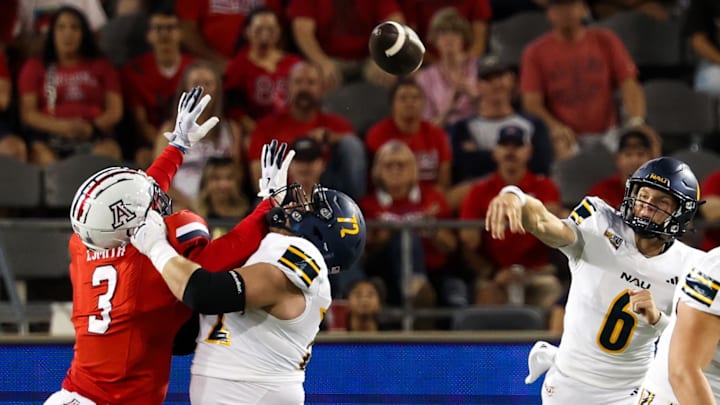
(256, 346)
(604, 343)
(699, 291)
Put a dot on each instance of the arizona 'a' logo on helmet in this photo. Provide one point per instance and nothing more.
(676, 179)
(113, 202)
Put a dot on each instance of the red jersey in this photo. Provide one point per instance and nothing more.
(124, 315)
(80, 89)
(430, 144)
(342, 32)
(419, 13)
(425, 202)
(525, 250)
(220, 21)
(283, 127)
(263, 92)
(711, 186)
(148, 88)
(577, 79)
(611, 189)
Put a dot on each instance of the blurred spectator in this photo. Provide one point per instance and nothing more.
(11, 144)
(124, 35)
(568, 77)
(450, 84)
(36, 16)
(557, 315)
(494, 259)
(502, 9)
(221, 141)
(364, 306)
(400, 197)
(70, 100)
(211, 28)
(151, 80)
(701, 25)
(710, 210)
(428, 142)
(634, 149)
(419, 15)
(655, 8)
(334, 34)
(256, 79)
(474, 139)
(220, 195)
(9, 22)
(308, 164)
(343, 151)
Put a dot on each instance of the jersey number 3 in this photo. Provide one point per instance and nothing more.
(619, 325)
(102, 274)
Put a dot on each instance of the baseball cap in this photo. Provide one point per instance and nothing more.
(306, 149)
(513, 135)
(489, 65)
(634, 139)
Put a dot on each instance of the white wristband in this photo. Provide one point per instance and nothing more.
(662, 322)
(160, 254)
(515, 190)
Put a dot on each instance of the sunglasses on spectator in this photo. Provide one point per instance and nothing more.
(163, 27)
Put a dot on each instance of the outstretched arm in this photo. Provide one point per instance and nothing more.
(693, 343)
(524, 213)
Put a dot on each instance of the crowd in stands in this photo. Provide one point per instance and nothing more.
(104, 76)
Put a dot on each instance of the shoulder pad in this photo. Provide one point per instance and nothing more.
(186, 230)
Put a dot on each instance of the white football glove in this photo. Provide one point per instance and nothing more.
(150, 233)
(187, 131)
(274, 170)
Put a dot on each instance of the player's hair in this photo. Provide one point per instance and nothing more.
(392, 147)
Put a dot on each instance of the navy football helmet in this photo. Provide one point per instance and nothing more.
(329, 219)
(674, 178)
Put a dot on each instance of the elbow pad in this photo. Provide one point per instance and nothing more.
(215, 293)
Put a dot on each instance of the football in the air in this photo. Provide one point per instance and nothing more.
(396, 48)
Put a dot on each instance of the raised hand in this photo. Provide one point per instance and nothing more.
(187, 131)
(274, 169)
(504, 208)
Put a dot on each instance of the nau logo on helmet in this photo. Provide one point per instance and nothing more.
(659, 179)
(353, 228)
(121, 214)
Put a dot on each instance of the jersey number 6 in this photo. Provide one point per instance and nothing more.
(100, 324)
(619, 325)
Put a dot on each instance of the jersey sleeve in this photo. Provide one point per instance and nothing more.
(589, 218)
(301, 262)
(232, 250)
(700, 289)
(187, 231)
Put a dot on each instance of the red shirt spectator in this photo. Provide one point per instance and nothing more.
(711, 191)
(577, 79)
(611, 189)
(80, 89)
(343, 32)
(430, 145)
(263, 91)
(520, 249)
(283, 127)
(149, 88)
(220, 21)
(424, 202)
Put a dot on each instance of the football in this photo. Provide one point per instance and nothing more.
(396, 48)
